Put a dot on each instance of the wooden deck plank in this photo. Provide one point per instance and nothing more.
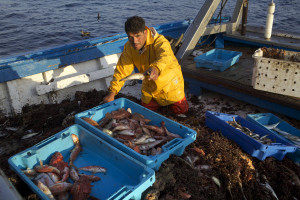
(237, 78)
(277, 39)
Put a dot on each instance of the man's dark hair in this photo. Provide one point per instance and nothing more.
(134, 24)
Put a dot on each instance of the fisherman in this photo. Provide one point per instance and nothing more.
(152, 55)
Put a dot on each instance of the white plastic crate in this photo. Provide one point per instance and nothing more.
(280, 75)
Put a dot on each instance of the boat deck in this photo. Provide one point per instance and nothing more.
(255, 35)
(236, 79)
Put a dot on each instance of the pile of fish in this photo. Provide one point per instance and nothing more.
(247, 131)
(273, 53)
(53, 179)
(133, 130)
(293, 138)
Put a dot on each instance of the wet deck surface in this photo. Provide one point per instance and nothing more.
(236, 78)
(286, 40)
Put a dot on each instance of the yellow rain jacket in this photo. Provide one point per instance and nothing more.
(169, 87)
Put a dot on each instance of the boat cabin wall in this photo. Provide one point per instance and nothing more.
(54, 86)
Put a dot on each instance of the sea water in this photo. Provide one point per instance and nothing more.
(32, 25)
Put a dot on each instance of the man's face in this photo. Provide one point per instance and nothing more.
(137, 40)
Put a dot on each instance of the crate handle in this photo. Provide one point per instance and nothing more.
(173, 143)
(123, 192)
(102, 106)
(45, 142)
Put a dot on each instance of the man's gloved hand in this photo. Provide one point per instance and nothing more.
(152, 72)
(110, 97)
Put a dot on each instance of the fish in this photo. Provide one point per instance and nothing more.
(216, 181)
(146, 131)
(81, 189)
(29, 172)
(108, 132)
(63, 196)
(126, 132)
(295, 139)
(45, 190)
(29, 135)
(105, 120)
(54, 177)
(262, 139)
(148, 146)
(272, 126)
(58, 188)
(156, 129)
(92, 178)
(45, 179)
(90, 121)
(46, 168)
(124, 138)
(65, 174)
(121, 128)
(75, 139)
(110, 124)
(12, 128)
(140, 117)
(120, 114)
(145, 141)
(163, 125)
(141, 139)
(94, 169)
(268, 186)
(56, 158)
(136, 76)
(73, 174)
(74, 153)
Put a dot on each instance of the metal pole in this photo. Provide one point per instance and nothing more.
(244, 17)
(197, 28)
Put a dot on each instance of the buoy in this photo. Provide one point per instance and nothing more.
(270, 18)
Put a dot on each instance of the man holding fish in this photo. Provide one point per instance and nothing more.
(152, 55)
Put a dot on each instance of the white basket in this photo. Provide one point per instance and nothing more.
(281, 76)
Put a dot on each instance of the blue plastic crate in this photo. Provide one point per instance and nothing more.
(263, 119)
(175, 146)
(218, 59)
(126, 178)
(217, 122)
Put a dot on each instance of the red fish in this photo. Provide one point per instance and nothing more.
(92, 178)
(45, 179)
(75, 139)
(76, 150)
(65, 174)
(74, 153)
(45, 190)
(163, 125)
(73, 174)
(46, 168)
(54, 177)
(29, 172)
(90, 121)
(105, 120)
(156, 129)
(56, 158)
(81, 189)
(63, 196)
(60, 187)
(120, 114)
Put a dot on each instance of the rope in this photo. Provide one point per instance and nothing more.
(223, 3)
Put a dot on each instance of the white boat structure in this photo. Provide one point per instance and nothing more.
(52, 75)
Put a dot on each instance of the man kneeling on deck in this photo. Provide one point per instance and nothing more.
(152, 55)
